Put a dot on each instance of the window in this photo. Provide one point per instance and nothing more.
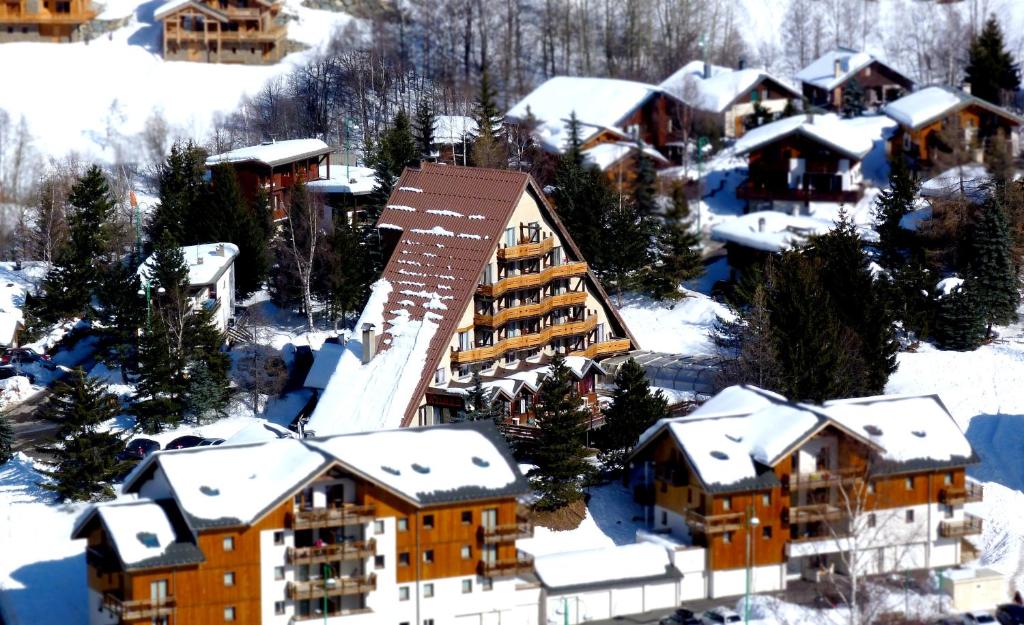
(403, 593)
(403, 558)
(229, 579)
(910, 516)
(428, 521)
(664, 517)
(278, 538)
(378, 527)
(467, 517)
(278, 572)
(486, 584)
(378, 562)
(466, 552)
(754, 96)
(766, 499)
(510, 236)
(872, 520)
(871, 488)
(403, 524)
(726, 503)
(279, 607)
(727, 537)
(464, 340)
(439, 376)
(229, 543)
(229, 613)
(428, 590)
(766, 532)
(428, 556)
(467, 586)
(909, 483)
(947, 512)
(947, 479)
(906, 141)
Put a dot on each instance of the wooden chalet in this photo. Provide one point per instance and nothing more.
(932, 118)
(44, 20)
(250, 32)
(828, 77)
(275, 166)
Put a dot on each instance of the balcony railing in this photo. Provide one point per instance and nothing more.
(316, 614)
(529, 280)
(103, 559)
(526, 250)
(521, 565)
(508, 533)
(138, 608)
(333, 587)
(823, 479)
(349, 550)
(749, 191)
(310, 518)
(969, 526)
(715, 523)
(813, 512)
(46, 17)
(524, 341)
(956, 495)
(603, 348)
(271, 35)
(523, 311)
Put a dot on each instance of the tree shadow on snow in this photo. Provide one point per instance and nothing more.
(53, 591)
(150, 31)
(615, 513)
(998, 440)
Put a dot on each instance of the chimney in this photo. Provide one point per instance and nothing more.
(742, 64)
(369, 343)
(837, 67)
(761, 221)
(220, 249)
(967, 88)
(707, 70)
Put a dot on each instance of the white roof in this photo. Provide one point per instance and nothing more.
(974, 177)
(596, 566)
(604, 155)
(822, 71)
(324, 364)
(257, 433)
(598, 103)
(781, 231)
(922, 106)
(206, 262)
(358, 181)
(716, 93)
(167, 8)
(453, 128)
(845, 135)
(140, 530)
(273, 153)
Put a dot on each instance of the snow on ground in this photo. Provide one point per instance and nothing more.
(676, 327)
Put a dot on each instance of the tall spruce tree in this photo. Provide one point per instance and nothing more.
(489, 149)
(84, 456)
(991, 268)
(634, 408)
(227, 217)
(748, 345)
(676, 251)
(991, 69)
(182, 186)
(6, 438)
(122, 311)
(559, 451)
(621, 263)
(891, 206)
(959, 325)
(424, 127)
(344, 271)
(645, 190)
(395, 151)
(853, 99)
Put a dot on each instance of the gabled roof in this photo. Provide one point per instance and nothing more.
(173, 6)
(822, 71)
(718, 92)
(273, 153)
(206, 263)
(930, 104)
(143, 534)
(605, 155)
(845, 136)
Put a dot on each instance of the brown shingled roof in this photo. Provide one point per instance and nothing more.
(451, 219)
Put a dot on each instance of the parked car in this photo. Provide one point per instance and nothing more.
(184, 442)
(978, 618)
(25, 356)
(206, 442)
(681, 616)
(7, 371)
(138, 448)
(717, 616)
(1010, 614)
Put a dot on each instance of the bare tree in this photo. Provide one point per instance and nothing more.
(302, 238)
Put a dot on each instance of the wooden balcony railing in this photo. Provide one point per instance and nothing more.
(969, 526)
(523, 311)
(813, 512)
(522, 564)
(508, 533)
(526, 250)
(603, 348)
(749, 191)
(822, 479)
(529, 280)
(349, 550)
(524, 341)
(332, 517)
(714, 523)
(272, 35)
(47, 17)
(134, 609)
(957, 495)
(333, 587)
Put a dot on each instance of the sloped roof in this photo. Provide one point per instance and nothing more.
(843, 135)
(206, 263)
(143, 534)
(923, 107)
(603, 566)
(273, 153)
(720, 90)
(604, 155)
(822, 71)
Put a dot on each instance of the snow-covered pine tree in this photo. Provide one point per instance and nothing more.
(891, 205)
(959, 325)
(677, 256)
(634, 408)
(478, 406)
(991, 268)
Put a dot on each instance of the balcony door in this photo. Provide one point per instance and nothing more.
(158, 592)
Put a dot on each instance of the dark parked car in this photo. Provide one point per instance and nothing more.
(138, 448)
(25, 356)
(1010, 614)
(7, 371)
(681, 616)
(184, 442)
(207, 442)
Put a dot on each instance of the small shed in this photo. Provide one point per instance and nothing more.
(974, 589)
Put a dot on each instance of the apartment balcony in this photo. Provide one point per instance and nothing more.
(958, 495)
(310, 518)
(521, 565)
(135, 609)
(822, 479)
(970, 525)
(102, 558)
(533, 280)
(508, 533)
(525, 311)
(348, 550)
(714, 523)
(526, 250)
(814, 512)
(48, 18)
(317, 615)
(332, 587)
(272, 35)
(604, 348)
(524, 341)
(781, 192)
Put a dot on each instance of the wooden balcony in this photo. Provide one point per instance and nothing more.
(332, 587)
(45, 18)
(531, 280)
(524, 311)
(749, 191)
(526, 250)
(814, 512)
(969, 526)
(524, 341)
(603, 348)
(102, 558)
(715, 523)
(822, 479)
(958, 495)
(135, 609)
(521, 565)
(508, 533)
(226, 37)
(349, 550)
(332, 517)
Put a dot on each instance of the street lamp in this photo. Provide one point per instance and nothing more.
(752, 523)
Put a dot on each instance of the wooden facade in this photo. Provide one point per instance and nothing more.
(44, 20)
(881, 84)
(223, 31)
(255, 177)
(820, 177)
(974, 124)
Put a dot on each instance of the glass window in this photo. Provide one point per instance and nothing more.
(726, 503)
(403, 558)
(466, 552)
(439, 376)
(378, 562)
(486, 583)
(279, 607)
(910, 516)
(278, 538)
(909, 483)
(872, 520)
(947, 479)
(766, 499)
(727, 537)
(378, 527)
(229, 613)
(403, 524)
(766, 532)
(229, 543)
(467, 586)
(510, 236)
(428, 521)
(428, 590)
(428, 556)
(278, 572)
(403, 593)
(467, 517)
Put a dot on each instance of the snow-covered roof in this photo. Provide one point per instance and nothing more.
(206, 263)
(526, 375)
(596, 566)
(840, 134)
(770, 231)
(716, 93)
(353, 180)
(453, 128)
(258, 432)
(324, 364)
(931, 103)
(598, 103)
(971, 180)
(822, 70)
(140, 530)
(273, 153)
(604, 155)
(169, 7)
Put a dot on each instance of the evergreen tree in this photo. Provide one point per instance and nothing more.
(853, 99)
(160, 389)
(182, 186)
(396, 150)
(489, 149)
(677, 256)
(6, 438)
(959, 325)
(991, 267)
(227, 217)
(645, 191)
(621, 263)
(85, 454)
(892, 204)
(759, 116)
(122, 311)
(559, 451)
(424, 127)
(991, 69)
(478, 406)
(633, 409)
(906, 292)
(344, 271)
(748, 344)
(573, 143)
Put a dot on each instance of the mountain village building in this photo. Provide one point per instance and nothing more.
(223, 31)
(44, 20)
(211, 279)
(827, 79)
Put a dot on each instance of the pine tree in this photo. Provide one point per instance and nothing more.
(160, 389)
(478, 406)
(621, 263)
(424, 127)
(991, 69)
(227, 217)
(559, 451)
(344, 271)
(182, 186)
(645, 192)
(573, 143)
(959, 325)
(677, 256)
(489, 149)
(758, 116)
(396, 150)
(633, 409)
(85, 454)
(853, 99)
(892, 204)
(122, 310)
(6, 438)
(748, 344)
(991, 268)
